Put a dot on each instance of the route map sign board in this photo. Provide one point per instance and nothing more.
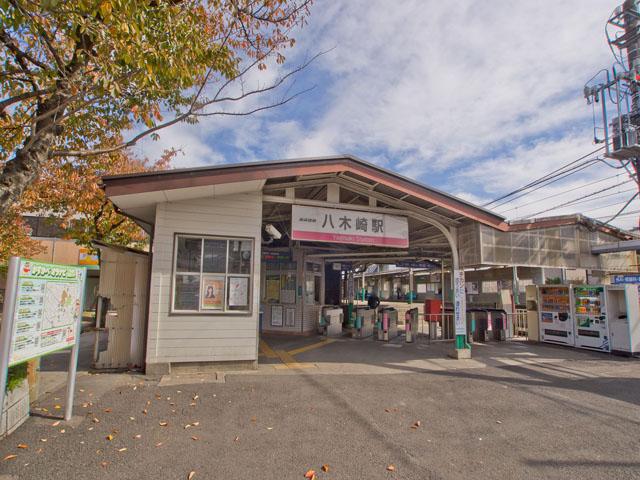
(48, 307)
(318, 224)
(41, 314)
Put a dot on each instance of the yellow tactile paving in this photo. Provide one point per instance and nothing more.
(313, 346)
(266, 350)
(289, 361)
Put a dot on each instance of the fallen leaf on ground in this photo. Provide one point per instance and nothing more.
(187, 426)
(56, 423)
(62, 431)
(325, 468)
(191, 475)
(164, 424)
(122, 449)
(144, 411)
(43, 439)
(391, 468)
(57, 407)
(195, 438)
(107, 410)
(311, 474)
(387, 410)
(416, 425)
(23, 445)
(159, 444)
(192, 404)
(109, 437)
(195, 424)
(498, 421)
(236, 439)
(11, 456)
(103, 464)
(138, 436)
(95, 420)
(132, 418)
(195, 397)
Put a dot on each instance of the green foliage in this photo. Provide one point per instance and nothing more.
(17, 374)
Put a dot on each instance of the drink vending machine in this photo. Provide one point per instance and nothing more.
(556, 325)
(590, 313)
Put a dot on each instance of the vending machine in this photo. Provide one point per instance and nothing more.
(623, 312)
(590, 313)
(556, 325)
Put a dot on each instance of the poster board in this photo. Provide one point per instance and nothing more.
(212, 295)
(272, 293)
(238, 291)
(48, 309)
(276, 315)
(290, 317)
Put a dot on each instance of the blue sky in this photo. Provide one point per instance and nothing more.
(475, 99)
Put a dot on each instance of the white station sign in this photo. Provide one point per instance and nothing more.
(331, 225)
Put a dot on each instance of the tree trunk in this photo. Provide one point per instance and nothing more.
(23, 169)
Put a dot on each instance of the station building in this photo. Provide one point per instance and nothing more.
(242, 249)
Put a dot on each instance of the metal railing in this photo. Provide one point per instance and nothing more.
(520, 322)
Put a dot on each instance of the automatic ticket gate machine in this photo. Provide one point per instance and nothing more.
(387, 323)
(411, 324)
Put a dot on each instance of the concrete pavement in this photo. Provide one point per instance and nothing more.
(518, 411)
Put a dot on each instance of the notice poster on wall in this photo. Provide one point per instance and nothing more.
(272, 294)
(277, 312)
(212, 296)
(460, 303)
(238, 291)
(48, 307)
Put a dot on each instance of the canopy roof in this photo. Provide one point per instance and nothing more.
(137, 194)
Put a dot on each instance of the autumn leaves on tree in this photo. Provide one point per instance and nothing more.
(84, 80)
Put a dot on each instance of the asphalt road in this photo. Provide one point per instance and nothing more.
(569, 420)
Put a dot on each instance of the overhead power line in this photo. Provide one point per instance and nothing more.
(549, 176)
(584, 198)
(561, 193)
(622, 209)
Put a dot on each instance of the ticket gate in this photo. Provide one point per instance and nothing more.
(411, 325)
(365, 320)
(387, 324)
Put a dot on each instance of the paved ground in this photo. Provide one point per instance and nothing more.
(514, 411)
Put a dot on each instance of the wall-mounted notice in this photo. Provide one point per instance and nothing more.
(48, 307)
(238, 291)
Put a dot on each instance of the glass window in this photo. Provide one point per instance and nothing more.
(187, 292)
(188, 254)
(215, 256)
(240, 256)
(212, 274)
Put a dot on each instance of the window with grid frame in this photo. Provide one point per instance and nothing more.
(212, 274)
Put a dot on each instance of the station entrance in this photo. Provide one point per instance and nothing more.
(323, 232)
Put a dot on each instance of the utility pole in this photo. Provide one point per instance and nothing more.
(620, 91)
(631, 42)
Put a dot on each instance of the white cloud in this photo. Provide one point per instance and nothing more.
(474, 97)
